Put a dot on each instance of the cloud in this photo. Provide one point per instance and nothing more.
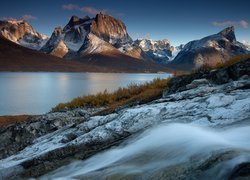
(71, 7)
(8, 19)
(243, 24)
(140, 36)
(25, 17)
(92, 10)
(28, 17)
(120, 14)
(86, 9)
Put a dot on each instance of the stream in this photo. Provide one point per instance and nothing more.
(164, 151)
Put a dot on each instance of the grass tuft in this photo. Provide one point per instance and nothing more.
(132, 93)
(7, 120)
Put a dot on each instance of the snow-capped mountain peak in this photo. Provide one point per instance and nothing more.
(160, 51)
(79, 32)
(21, 32)
(210, 50)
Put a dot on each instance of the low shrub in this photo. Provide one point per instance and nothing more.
(123, 95)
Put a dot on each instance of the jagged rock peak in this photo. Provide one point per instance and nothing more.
(110, 30)
(229, 33)
(57, 31)
(210, 50)
(86, 18)
(21, 32)
(100, 18)
(75, 20)
(166, 41)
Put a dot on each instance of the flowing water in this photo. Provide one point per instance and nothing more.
(167, 151)
(37, 93)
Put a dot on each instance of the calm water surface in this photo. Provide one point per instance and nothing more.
(37, 93)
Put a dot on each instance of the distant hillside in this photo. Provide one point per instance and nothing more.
(121, 63)
(14, 57)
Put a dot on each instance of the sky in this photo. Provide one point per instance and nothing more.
(178, 21)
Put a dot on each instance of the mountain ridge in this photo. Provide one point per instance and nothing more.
(16, 58)
(210, 50)
(104, 35)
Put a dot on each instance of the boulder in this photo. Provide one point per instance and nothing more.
(221, 76)
(197, 82)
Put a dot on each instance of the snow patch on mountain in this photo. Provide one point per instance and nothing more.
(31, 41)
(175, 52)
(160, 51)
(95, 45)
(73, 46)
(247, 44)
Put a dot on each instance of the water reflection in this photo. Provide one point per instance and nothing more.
(36, 93)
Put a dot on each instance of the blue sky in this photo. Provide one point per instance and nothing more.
(177, 21)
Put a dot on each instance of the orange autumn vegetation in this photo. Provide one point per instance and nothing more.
(133, 93)
(7, 120)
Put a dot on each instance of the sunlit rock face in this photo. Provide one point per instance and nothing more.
(211, 50)
(110, 30)
(55, 46)
(109, 36)
(21, 32)
(82, 34)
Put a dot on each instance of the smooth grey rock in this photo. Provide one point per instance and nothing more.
(197, 82)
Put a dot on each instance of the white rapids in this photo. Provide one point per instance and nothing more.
(157, 148)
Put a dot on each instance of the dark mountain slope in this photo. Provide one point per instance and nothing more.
(14, 57)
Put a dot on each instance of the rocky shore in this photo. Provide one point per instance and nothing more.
(218, 99)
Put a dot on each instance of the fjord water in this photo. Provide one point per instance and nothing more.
(37, 93)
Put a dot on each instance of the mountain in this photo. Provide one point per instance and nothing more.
(14, 57)
(21, 32)
(84, 36)
(160, 51)
(104, 43)
(98, 52)
(69, 39)
(209, 50)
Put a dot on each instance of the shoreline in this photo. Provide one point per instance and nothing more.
(175, 83)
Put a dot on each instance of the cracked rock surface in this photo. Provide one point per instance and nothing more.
(207, 105)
